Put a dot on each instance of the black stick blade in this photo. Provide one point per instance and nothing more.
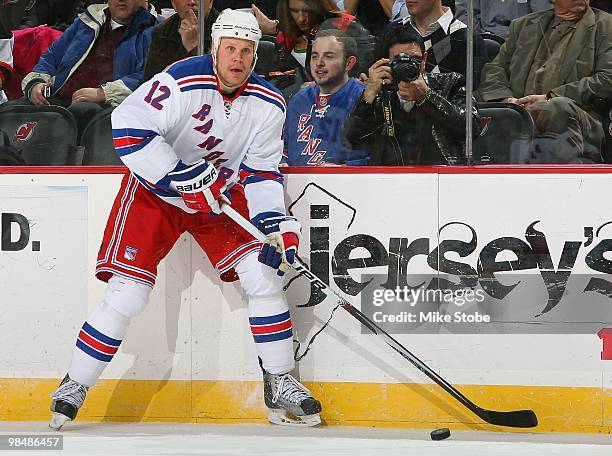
(517, 419)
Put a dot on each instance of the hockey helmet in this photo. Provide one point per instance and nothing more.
(235, 24)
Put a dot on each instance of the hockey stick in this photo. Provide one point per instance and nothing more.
(518, 418)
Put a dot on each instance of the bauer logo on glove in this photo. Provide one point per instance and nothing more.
(200, 186)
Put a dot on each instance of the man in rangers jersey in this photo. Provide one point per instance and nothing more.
(315, 115)
(205, 131)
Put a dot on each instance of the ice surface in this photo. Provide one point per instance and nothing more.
(114, 439)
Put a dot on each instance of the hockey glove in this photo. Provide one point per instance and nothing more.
(283, 234)
(201, 187)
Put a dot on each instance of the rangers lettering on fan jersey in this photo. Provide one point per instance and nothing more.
(313, 129)
(152, 138)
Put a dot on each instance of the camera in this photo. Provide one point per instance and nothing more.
(405, 67)
(47, 91)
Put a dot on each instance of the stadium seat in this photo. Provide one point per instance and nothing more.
(603, 107)
(45, 135)
(98, 141)
(12, 12)
(606, 149)
(267, 56)
(507, 132)
(492, 44)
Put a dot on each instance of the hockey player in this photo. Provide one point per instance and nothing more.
(205, 131)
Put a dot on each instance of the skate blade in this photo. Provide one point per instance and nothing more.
(283, 418)
(57, 421)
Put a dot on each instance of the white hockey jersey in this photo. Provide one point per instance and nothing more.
(6, 63)
(180, 117)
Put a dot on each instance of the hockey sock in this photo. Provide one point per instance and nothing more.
(97, 343)
(105, 328)
(268, 314)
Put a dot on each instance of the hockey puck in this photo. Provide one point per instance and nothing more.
(440, 434)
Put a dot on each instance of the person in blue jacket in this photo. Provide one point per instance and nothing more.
(97, 62)
(313, 128)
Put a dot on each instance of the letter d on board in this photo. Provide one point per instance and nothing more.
(5, 229)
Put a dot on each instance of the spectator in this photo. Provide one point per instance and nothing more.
(494, 16)
(177, 37)
(298, 22)
(399, 10)
(98, 60)
(6, 60)
(313, 128)
(54, 13)
(445, 38)
(268, 7)
(372, 14)
(557, 64)
(425, 121)
(29, 45)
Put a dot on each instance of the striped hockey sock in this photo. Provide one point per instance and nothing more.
(96, 344)
(273, 337)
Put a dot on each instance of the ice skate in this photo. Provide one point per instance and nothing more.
(289, 401)
(67, 400)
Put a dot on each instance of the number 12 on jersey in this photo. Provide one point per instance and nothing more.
(156, 101)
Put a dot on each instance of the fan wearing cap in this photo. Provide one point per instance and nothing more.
(206, 131)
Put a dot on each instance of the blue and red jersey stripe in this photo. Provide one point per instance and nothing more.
(130, 140)
(251, 176)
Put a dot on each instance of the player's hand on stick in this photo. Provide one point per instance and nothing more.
(201, 187)
(283, 234)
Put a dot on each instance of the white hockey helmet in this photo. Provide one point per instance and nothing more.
(235, 24)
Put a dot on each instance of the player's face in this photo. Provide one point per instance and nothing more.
(300, 12)
(234, 61)
(327, 63)
(123, 10)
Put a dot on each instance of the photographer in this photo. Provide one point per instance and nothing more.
(407, 116)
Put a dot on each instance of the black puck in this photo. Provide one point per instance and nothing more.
(440, 434)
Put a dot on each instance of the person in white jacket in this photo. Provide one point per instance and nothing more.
(6, 61)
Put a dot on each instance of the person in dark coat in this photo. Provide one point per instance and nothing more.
(410, 122)
(177, 37)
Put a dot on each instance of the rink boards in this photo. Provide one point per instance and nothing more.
(190, 357)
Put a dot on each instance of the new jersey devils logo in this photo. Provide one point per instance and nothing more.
(484, 125)
(24, 131)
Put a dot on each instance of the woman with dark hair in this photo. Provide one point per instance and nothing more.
(298, 21)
